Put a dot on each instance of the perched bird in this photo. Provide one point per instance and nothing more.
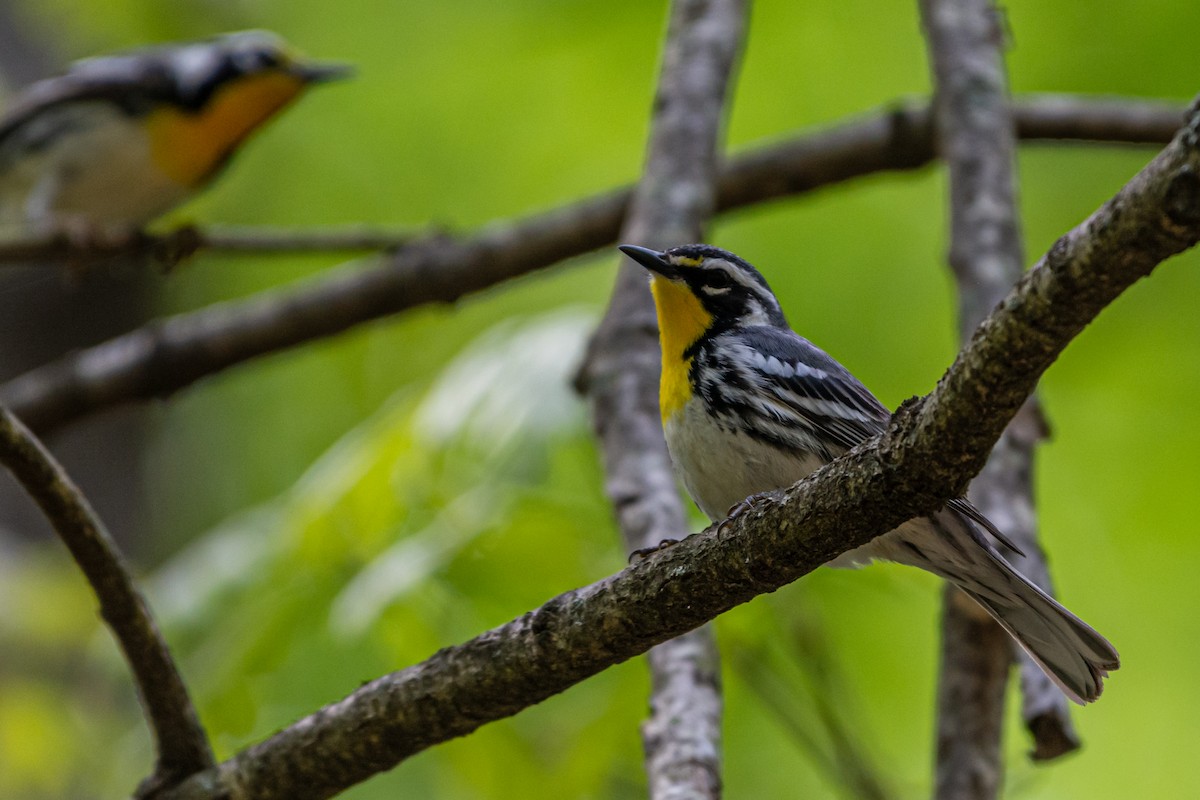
(748, 406)
(118, 140)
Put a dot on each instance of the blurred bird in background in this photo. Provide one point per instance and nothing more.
(119, 140)
(93, 155)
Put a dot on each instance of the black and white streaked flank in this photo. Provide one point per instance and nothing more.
(763, 407)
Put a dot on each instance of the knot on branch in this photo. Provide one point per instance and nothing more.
(1051, 738)
(904, 419)
(910, 135)
(1182, 200)
(1190, 134)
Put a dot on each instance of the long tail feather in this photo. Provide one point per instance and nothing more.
(950, 545)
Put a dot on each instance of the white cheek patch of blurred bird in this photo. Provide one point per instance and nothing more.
(119, 140)
(749, 406)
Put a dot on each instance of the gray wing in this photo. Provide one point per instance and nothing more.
(804, 388)
(791, 392)
(134, 83)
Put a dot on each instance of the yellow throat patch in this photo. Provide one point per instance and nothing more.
(681, 321)
(189, 147)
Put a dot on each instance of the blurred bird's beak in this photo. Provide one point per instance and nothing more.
(652, 260)
(322, 72)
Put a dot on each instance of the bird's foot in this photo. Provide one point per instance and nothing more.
(642, 552)
(742, 506)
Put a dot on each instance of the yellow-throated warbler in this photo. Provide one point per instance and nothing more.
(748, 406)
(118, 140)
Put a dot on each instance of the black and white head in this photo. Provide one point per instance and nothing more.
(200, 69)
(189, 74)
(731, 290)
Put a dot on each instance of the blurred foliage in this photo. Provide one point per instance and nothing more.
(344, 509)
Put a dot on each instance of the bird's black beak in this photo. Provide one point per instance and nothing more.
(317, 72)
(652, 260)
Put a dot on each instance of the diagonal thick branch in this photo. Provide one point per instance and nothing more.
(671, 205)
(180, 740)
(171, 354)
(930, 451)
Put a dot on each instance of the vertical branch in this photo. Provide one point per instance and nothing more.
(672, 203)
(1004, 492)
(26, 53)
(180, 740)
(976, 136)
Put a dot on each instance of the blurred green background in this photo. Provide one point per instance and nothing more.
(320, 517)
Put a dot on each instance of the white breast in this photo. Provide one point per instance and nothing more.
(95, 164)
(721, 467)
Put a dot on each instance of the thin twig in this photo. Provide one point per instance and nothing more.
(671, 205)
(814, 714)
(930, 451)
(166, 250)
(181, 743)
(266, 241)
(977, 139)
(172, 353)
(1110, 120)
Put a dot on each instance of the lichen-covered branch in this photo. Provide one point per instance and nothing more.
(930, 451)
(182, 746)
(671, 204)
(173, 353)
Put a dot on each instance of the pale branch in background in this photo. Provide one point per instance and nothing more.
(1005, 492)
(172, 353)
(976, 139)
(671, 204)
(27, 52)
(972, 671)
(930, 451)
(179, 738)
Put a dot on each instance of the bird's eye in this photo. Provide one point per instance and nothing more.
(718, 279)
(258, 60)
